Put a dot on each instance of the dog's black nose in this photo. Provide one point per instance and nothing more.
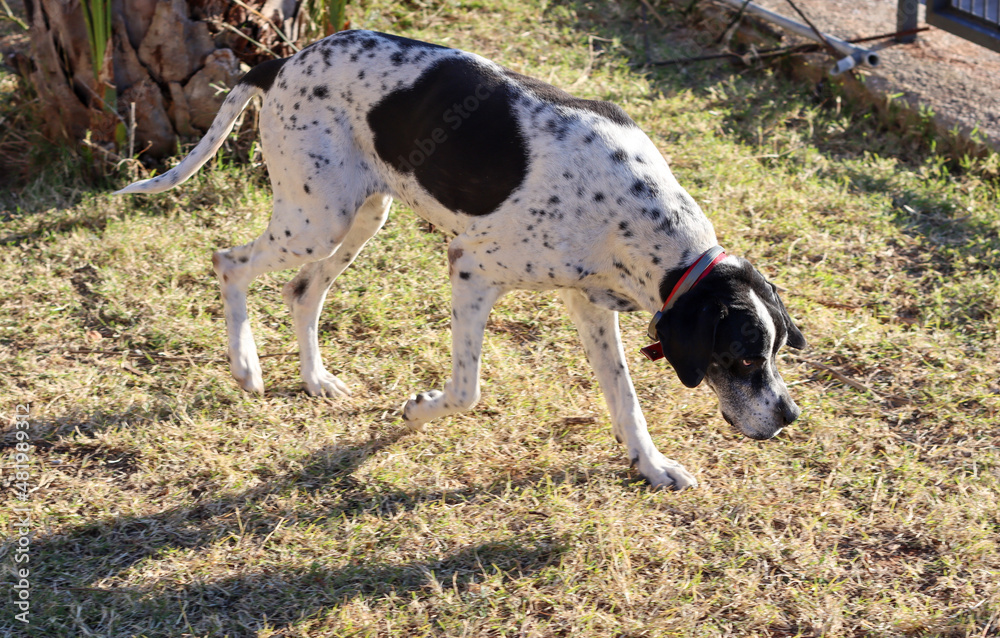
(789, 411)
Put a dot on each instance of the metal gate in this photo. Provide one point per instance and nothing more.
(974, 20)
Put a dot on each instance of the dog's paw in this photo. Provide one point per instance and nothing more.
(419, 409)
(248, 374)
(664, 473)
(325, 384)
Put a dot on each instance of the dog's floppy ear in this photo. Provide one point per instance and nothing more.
(687, 332)
(795, 338)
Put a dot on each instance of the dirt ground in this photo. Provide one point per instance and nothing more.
(959, 80)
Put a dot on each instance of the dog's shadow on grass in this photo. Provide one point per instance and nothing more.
(73, 572)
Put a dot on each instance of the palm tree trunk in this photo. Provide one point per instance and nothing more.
(170, 58)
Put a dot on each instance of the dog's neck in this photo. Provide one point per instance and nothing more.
(679, 250)
(650, 278)
(677, 281)
(671, 278)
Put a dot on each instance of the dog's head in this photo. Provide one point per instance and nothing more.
(727, 330)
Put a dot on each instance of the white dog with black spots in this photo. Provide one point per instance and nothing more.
(542, 191)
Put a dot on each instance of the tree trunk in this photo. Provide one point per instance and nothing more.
(172, 59)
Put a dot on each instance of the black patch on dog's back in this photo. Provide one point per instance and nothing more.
(455, 130)
(407, 43)
(262, 76)
(548, 93)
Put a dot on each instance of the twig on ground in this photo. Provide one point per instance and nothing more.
(745, 58)
(825, 302)
(893, 399)
(819, 34)
(230, 27)
(888, 35)
(130, 159)
(9, 15)
(107, 107)
(765, 54)
(590, 63)
(139, 354)
(659, 18)
(131, 130)
(112, 156)
(727, 33)
(645, 33)
(281, 34)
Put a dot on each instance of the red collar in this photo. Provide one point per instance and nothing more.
(694, 274)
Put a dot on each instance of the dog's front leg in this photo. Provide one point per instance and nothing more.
(598, 328)
(472, 299)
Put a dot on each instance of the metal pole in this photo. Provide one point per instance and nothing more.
(906, 20)
(855, 55)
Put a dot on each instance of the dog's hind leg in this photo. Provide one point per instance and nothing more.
(305, 294)
(598, 328)
(236, 268)
(290, 241)
(472, 299)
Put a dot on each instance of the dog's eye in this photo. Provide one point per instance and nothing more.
(750, 363)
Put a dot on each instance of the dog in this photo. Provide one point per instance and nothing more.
(541, 190)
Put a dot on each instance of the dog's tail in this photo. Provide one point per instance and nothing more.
(256, 82)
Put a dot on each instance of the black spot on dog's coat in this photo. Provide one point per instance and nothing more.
(643, 188)
(443, 146)
(300, 288)
(404, 43)
(262, 76)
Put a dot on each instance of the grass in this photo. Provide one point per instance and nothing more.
(169, 503)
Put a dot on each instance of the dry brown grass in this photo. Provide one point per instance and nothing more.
(166, 502)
